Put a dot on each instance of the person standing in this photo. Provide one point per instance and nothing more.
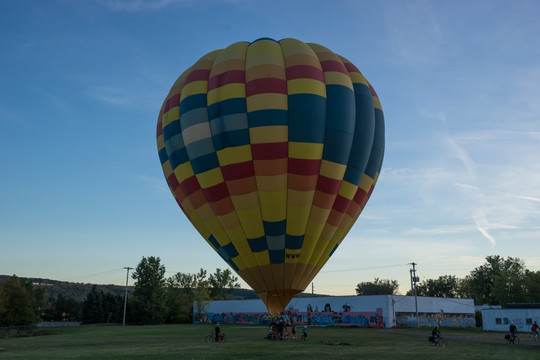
(217, 331)
(535, 328)
(513, 331)
(280, 327)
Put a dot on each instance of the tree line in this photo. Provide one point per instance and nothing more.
(499, 281)
(155, 299)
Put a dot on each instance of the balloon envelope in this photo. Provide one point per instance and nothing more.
(272, 149)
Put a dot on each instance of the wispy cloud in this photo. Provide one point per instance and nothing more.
(142, 5)
(460, 153)
(483, 226)
(111, 95)
(138, 5)
(9, 115)
(522, 197)
(60, 104)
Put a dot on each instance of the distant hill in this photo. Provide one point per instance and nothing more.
(80, 290)
(70, 289)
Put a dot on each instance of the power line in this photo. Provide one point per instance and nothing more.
(90, 275)
(366, 268)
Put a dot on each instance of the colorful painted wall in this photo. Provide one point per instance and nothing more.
(296, 317)
(366, 311)
(432, 319)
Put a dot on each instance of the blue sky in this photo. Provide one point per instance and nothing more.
(81, 84)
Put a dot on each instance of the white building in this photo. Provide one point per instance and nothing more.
(500, 319)
(369, 311)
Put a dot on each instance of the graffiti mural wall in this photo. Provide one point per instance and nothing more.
(364, 311)
(447, 320)
(296, 317)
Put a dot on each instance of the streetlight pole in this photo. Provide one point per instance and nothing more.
(414, 280)
(125, 296)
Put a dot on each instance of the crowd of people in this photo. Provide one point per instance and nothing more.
(281, 329)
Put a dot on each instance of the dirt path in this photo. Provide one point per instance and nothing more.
(523, 337)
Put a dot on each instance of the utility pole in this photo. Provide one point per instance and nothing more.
(312, 289)
(414, 280)
(125, 296)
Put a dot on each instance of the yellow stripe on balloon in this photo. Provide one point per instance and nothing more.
(295, 46)
(188, 208)
(234, 155)
(271, 183)
(273, 209)
(297, 218)
(233, 53)
(377, 103)
(264, 52)
(199, 225)
(262, 257)
(301, 150)
(347, 190)
(300, 199)
(171, 115)
(251, 222)
(319, 215)
(268, 134)
(225, 92)
(306, 86)
(332, 170)
(167, 169)
(160, 142)
(365, 183)
(194, 88)
(247, 202)
(358, 78)
(183, 172)
(205, 212)
(210, 178)
(338, 78)
(266, 101)
(230, 222)
(217, 230)
(263, 58)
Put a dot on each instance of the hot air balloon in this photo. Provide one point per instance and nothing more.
(272, 149)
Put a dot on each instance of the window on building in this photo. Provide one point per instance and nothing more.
(528, 321)
(498, 321)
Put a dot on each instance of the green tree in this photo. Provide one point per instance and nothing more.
(201, 293)
(497, 282)
(69, 306)
(39, 294)
(92, 309)
(222, 284)
(185, 290)
(377, 287)
(149, 296)
(532, 286)
(509, 283)
(17, 305)
(113, 307)
(180, 298)
(447, 286)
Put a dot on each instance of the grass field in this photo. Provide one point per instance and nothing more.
(247, 342)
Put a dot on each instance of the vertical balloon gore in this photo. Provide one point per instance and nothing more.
(272, 149)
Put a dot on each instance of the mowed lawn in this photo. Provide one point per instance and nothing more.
(247, 342)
